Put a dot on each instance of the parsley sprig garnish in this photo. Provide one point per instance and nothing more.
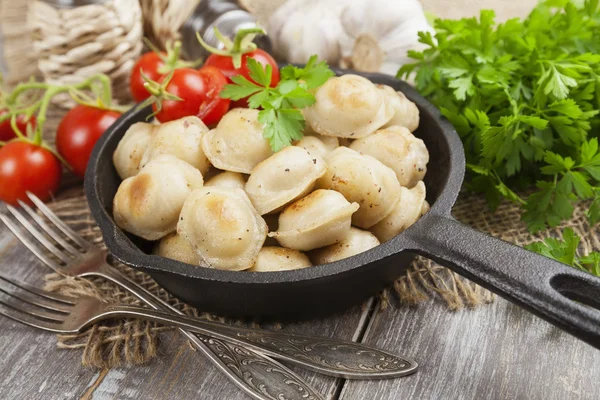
(281, 106)
(524, 96)
(565, 251)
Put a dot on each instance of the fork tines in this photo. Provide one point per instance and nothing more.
(34, 307)
(49, 233)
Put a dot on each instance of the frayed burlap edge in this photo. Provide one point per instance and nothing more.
(129, 342)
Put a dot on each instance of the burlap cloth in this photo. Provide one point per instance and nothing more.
(125, 342)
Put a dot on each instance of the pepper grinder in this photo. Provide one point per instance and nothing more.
(227, 16)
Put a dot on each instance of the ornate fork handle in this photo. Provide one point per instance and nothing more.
(258, 376)
(328, 356)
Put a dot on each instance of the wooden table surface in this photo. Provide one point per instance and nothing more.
(495, 351)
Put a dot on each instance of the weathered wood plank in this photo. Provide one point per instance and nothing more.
(31, 364)
(498, 351)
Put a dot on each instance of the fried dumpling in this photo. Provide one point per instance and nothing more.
(400, 150)
(348, 106)
(228, 179)
(175, 247)
(318, 144)
(284, 177)
(355, 242)
(237, 143)
(364, 180)
(408, 210)
(406, 113)
(128, 155)
(319, 219)
(223, 227)
(181, 138)
(149, 203)
(275, 258)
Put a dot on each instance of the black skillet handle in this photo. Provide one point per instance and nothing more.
(551, 290)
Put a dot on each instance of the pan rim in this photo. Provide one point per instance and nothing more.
(123, 249)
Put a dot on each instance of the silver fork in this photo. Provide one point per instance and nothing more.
(61, 314)
(80, 258)
(327, 356)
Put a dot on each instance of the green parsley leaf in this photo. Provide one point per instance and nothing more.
(566, 251)
(280, 114)
(524, 96)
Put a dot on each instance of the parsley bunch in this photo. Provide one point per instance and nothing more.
(281, 106)
(524, 96)
(565, 251)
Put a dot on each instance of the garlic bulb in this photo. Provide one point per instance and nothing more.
(295, 40)
(366, 35)
(378, 34)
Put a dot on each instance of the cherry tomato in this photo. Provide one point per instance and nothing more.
(225, 64)
(6, 131)
(26, 167)
(199, 91)
(150, 63)
(78, 132)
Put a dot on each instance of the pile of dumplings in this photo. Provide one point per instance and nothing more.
(220, 198)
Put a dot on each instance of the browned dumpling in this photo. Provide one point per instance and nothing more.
(175, 247)
(223, 227)
(355, 242)
(400, 150)
(406, 113)
(282, 178)
(275, 258)
(128, 154)
(364, 180)
(319, 219)
(180, 138)
(237, 143)
(407, 211)
(229, 179)
(348, 106)
(149, 203)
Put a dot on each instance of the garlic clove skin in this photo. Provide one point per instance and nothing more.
(377, 35)
(302, 28)
(398, 149)
(175, 247)
(128, 154)
(319, 219)
(282, 178)
(180, 138)
(356, 241)
(223, 227)
(407, 211)
(228, 179)
(149, 203)
(237, 143)
(406, 113)
(349, 106)
(365, 180)
(275, 258)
